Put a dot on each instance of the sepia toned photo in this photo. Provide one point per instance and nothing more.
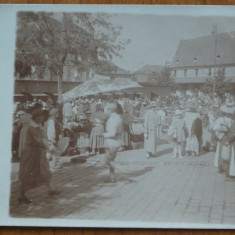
(123, 119)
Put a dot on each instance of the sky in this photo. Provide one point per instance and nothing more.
(155, 38)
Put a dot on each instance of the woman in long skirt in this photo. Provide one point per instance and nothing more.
(96, 137)
(151, 125)
(177, 132)
(225, 131)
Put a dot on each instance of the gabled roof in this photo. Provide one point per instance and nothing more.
(111, 68)
(201, 51)
(149, 69)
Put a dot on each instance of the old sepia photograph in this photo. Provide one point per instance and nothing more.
(122, 117)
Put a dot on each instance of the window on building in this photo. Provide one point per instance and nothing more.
(230, 72)
(196, 72)
(190, 73)
(180, 73)
(203, 72)
(209, 72)
(185, 73)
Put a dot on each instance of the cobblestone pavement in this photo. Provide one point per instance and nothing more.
(159, 189)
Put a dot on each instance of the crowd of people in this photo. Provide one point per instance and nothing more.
(107, 123)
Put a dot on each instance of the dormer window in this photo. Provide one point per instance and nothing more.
(177, 61)
(195, 59)
(218, 56)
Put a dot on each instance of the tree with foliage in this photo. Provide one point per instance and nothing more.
(221, 84)
(165, 76)
(53, 41)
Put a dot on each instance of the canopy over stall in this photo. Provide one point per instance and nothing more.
(99, 84)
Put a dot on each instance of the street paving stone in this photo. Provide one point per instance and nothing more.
(159, 189)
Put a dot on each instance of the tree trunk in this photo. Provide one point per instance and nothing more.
(60, 78)
(59, 100)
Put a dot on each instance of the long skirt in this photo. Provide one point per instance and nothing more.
(150, 143)
(34, 169)
(96, 139)
(192, 145)
(96, 142)
(225, 159)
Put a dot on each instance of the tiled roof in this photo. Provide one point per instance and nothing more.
(111, 68)
(201, 51)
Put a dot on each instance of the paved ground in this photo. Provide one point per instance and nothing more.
(160, 189)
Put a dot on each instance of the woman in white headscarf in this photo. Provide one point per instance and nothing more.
(177, 132)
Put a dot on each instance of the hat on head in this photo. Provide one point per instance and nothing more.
(227, 109)
(68, 100)
(152, 104)
(53, 112)
(229, 103)
(82, 117)
(21, 112)
(36, 110)
(178, 112)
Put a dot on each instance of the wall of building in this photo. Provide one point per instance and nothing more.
(141, 77)
(146, 89)
(201, 72)
(38, 87)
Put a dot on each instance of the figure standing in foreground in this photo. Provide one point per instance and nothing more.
(53, 132)
(225, 131)
(96, 137)
(177, 132)
(34, 167)
(112, 137)
(151, 125)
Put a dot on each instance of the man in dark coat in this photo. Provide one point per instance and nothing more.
(34, 167)
(198, 131)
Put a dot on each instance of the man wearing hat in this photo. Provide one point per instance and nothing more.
(151, 125)
(34, 167)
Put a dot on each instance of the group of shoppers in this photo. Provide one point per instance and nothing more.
(37, 133)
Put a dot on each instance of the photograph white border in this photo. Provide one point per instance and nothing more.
(7, 48)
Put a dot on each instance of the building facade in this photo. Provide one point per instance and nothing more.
(199, 59)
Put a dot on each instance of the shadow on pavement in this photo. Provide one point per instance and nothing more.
(79, 187)
(163, 152)
(128, 176)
